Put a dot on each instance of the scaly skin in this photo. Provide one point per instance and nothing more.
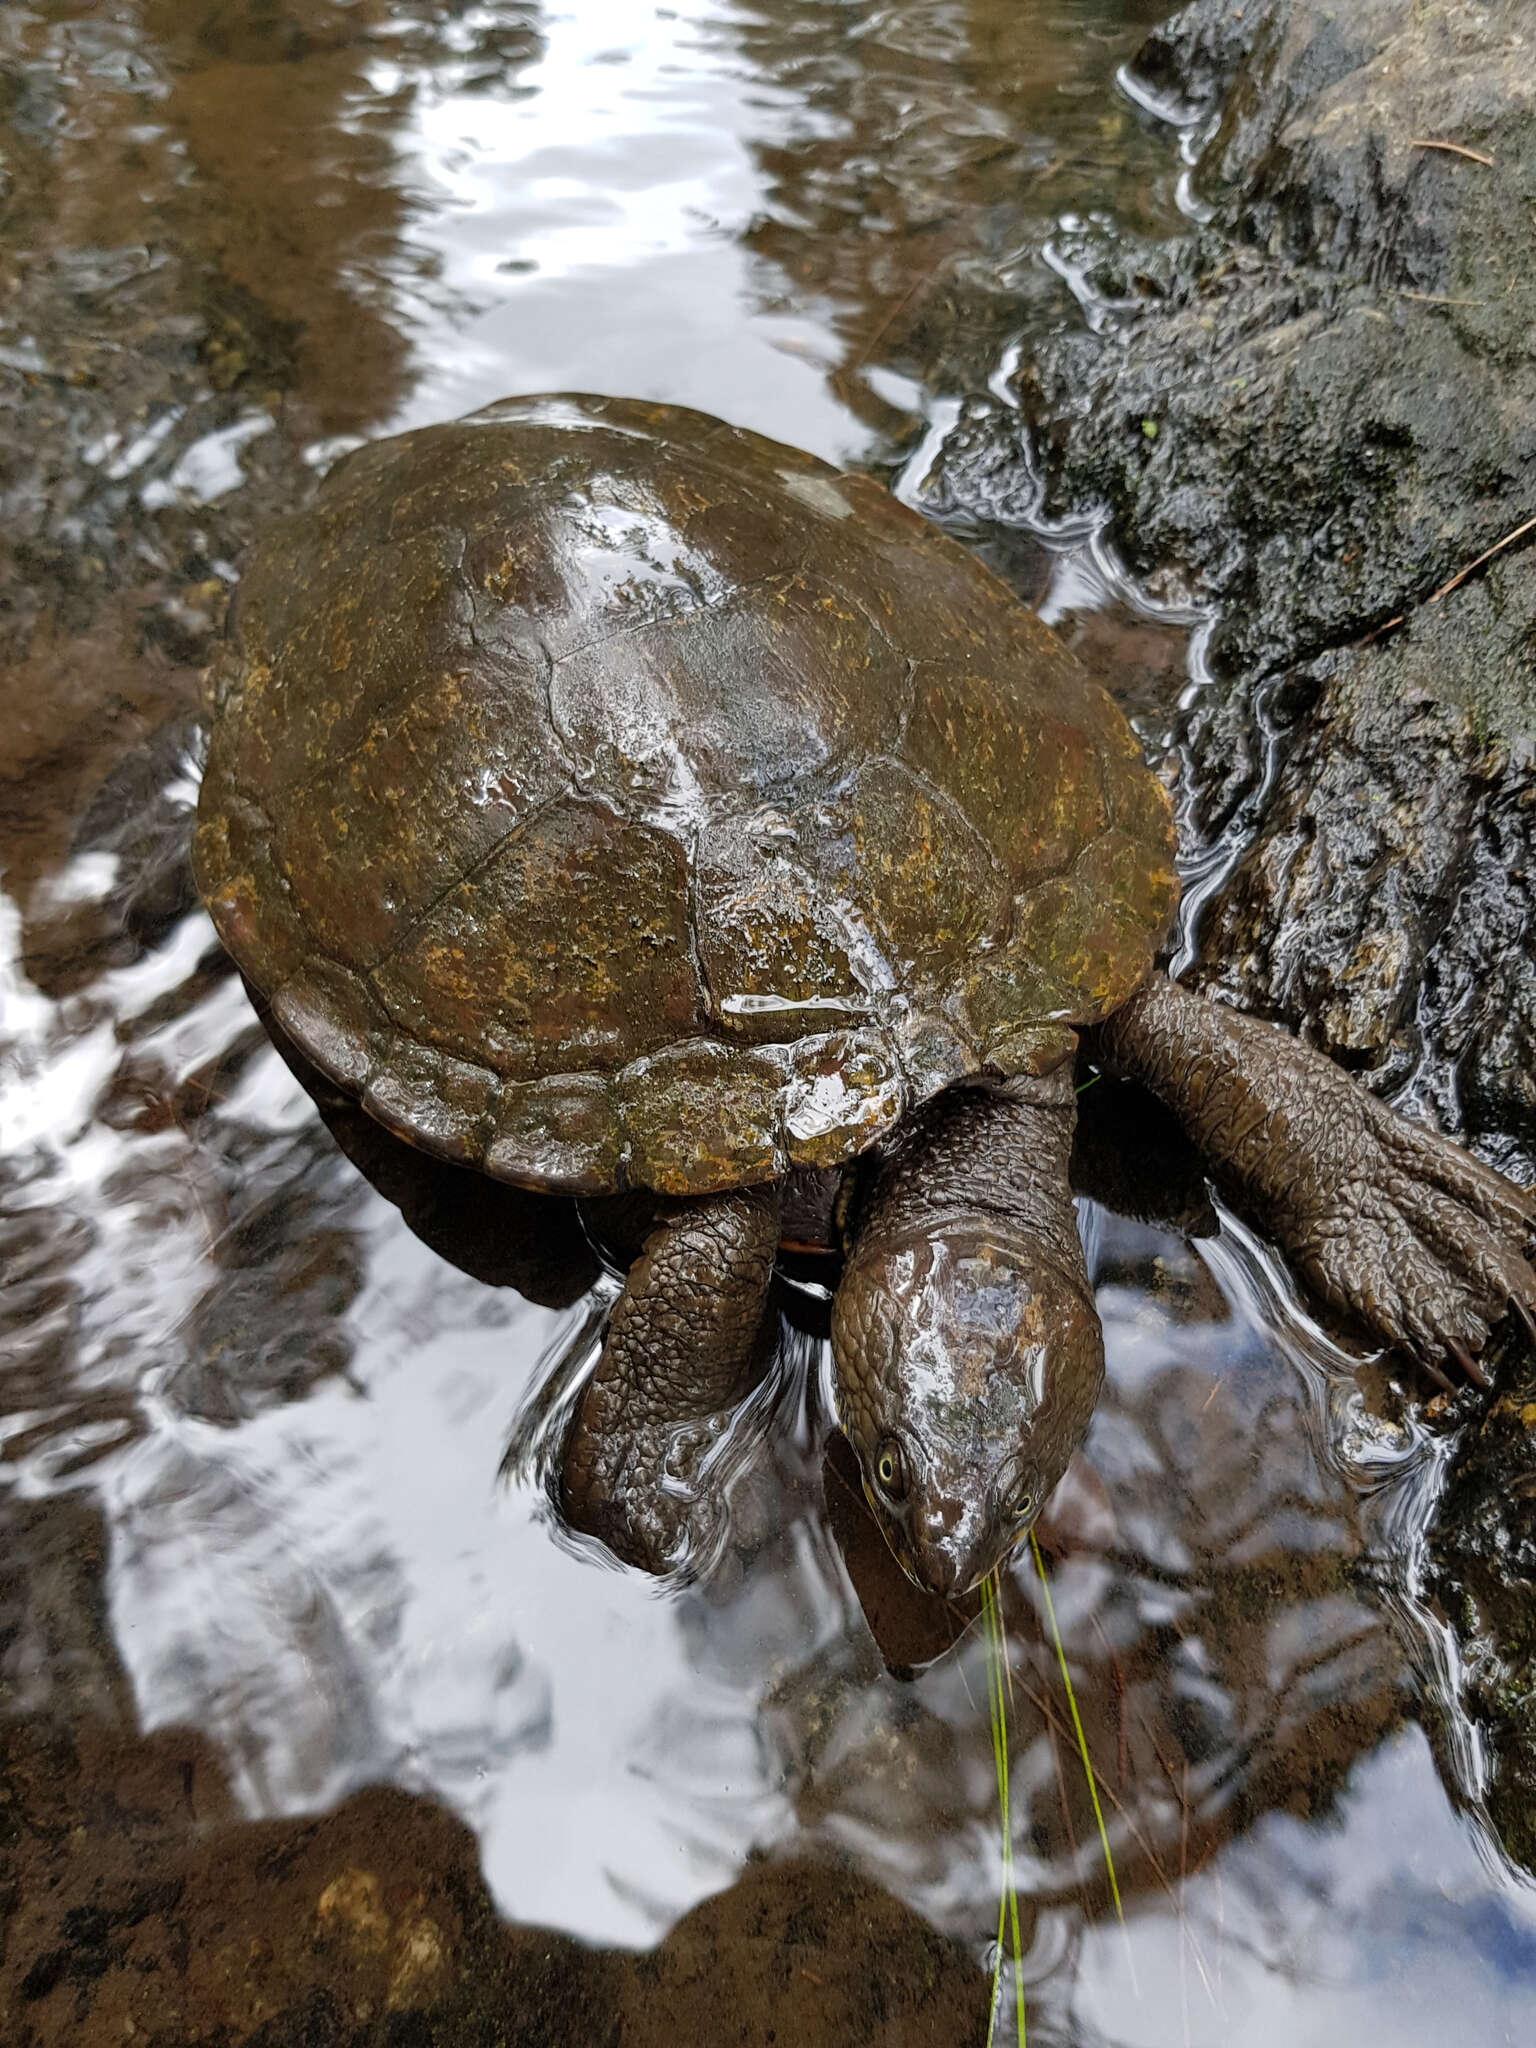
(685, 1346)
(964, 1335)
(967, 1352)
(1387, 1220)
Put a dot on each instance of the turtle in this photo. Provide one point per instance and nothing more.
(630, 806)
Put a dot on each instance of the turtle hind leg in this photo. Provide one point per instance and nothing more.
(689, 1339)
(1386, 1220)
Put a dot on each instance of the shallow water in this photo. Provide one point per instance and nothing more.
(234, 237)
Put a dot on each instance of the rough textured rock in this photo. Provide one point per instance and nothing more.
(139, 1907)
(800, 1951)
(1310, 414)
(1322, 154)
(1387, 898)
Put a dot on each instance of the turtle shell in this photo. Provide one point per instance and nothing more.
(612, 797)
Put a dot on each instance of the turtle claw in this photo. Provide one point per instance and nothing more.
(1433, 1372)
(1469, 1364)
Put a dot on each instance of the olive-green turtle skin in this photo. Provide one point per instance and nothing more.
(611, 797)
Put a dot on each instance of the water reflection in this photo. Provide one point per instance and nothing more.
(596, 222)
(927, 152)
(375, 1915)
(246, 1381)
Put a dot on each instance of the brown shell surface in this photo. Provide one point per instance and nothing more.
(612, 797)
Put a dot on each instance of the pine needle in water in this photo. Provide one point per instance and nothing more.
(1077, 1724)
(1008, 1901)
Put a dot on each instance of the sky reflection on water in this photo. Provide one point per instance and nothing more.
(816, 220)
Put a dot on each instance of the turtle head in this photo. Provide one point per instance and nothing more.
(967, 1363)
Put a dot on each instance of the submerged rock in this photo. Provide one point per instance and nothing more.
(140, 1907)
(1314, 414)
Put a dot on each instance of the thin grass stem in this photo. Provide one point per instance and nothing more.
(1008, 1903)
(1077, 1725)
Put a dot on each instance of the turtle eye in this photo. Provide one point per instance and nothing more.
(890, 1468)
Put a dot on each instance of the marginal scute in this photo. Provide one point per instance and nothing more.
(324, 1010)
(1033, 1049)
(611, 796)
(637, 531)
(933, 1051)
(247, 897)
(1015, 985)
(843, 1090)
(700, 1116)
(563, 412)
(561, 1133)
(445, 1104)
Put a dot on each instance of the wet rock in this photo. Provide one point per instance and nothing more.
(142, 1909)
(804, 1952)
(1311, 413)
(1387, 899)
(1312, 454)
(1329, 147)
(139, 1907)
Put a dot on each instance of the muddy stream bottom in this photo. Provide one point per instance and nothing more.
(313, 1726)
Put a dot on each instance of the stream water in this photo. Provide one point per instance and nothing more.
(236, 236)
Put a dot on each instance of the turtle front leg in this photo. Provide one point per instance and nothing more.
(687, 1342)
(1387, 1220)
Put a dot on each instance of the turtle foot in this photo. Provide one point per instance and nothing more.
(1385, 1219)
(690, 1338)
(645, 1494)
(1407, 1232)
